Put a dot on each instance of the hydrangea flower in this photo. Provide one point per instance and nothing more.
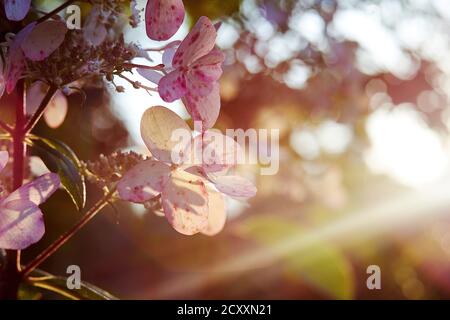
(34, 42)
(16, 10)
(189, 200)
(163, 18)
(194, 70)
(21, 220)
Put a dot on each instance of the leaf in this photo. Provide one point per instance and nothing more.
(58, 157)
(317, 263)
(43, 285)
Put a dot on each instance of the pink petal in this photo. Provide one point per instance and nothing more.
(4, 157)
(185, 202)
(204, 108)
(219, 152)
(197, 87)
(217, 213)
(235, 186)
(56, 111)
(161, 130)
(163, 18)
(168, 55)
(44, 39)
(172, 86)
(16, 60)
(150, 75)
(21, 224)
(144, 181)
(16, 10)
(94, 31)
(198, 42)
(208, 68)
(21, 221)
(36, 191)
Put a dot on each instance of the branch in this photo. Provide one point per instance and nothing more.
(40, 111)
(55, 11)
(6, 127)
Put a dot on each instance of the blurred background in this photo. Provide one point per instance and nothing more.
(360, 93)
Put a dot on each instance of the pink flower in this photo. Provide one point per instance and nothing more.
(189, 200)
(163, 18)
(21, 220)
(16, 10)
(196, 66)
(34, 42)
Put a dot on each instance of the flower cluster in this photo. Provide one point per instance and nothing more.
(191, 191)
(108, 170)
(188, 181)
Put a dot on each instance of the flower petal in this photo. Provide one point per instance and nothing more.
(56, 111)
(235, 186)
(219, 152)
(144, 181)
(204, 108)
(16, 60)
(185, 202)
(172, 86)
(208, 68)
(150, 75)
(44, 39)
(21, 220)
(4, 157)
(164, 133)
(94, 31)
(16, 10)
(36, 191)
(21, 224)
(168, 55)
(217, 213)
(198, 42)
(163, 18)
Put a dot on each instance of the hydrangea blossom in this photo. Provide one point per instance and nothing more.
(189, 200)
(194, 70)
(21, 220)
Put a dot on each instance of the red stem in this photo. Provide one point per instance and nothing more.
(10, 275)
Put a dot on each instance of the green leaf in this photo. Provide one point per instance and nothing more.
(58, 157)
(317, 262)
(43, 285)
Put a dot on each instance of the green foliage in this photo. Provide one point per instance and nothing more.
(317, 262)
(58, 157)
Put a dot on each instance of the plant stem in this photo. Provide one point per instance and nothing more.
(69, 234)
(10, 276)
(40, 110)
(55, 11)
